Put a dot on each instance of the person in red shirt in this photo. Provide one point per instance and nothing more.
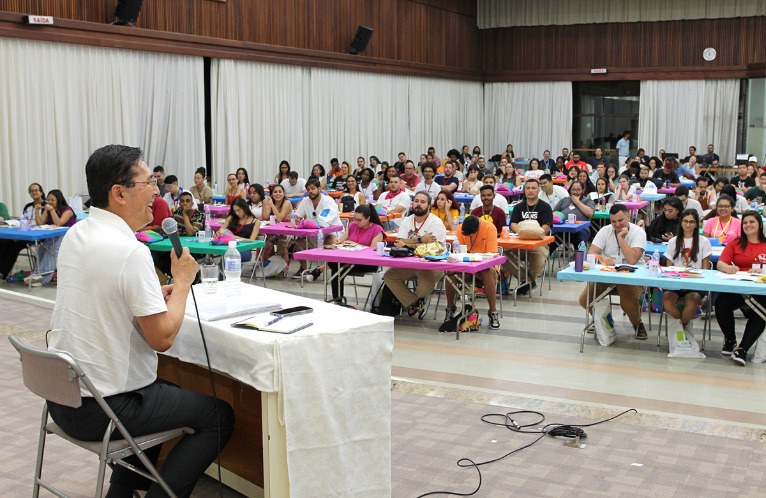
(410, 178)
(488, 211)
(740, 255)
(576, 161)
(160, 211)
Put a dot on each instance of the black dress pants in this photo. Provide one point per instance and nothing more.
(157, 407)
(9, 252)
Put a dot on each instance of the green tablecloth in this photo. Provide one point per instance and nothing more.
(600, 215)
(204, 248)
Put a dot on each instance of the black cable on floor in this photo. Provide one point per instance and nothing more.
(555, 430)
(212, 384)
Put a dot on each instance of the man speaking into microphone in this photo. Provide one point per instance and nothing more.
(112, 315)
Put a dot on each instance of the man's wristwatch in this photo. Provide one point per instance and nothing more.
(419, 239)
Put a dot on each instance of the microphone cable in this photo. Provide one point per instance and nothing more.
(554, 430)
(212, 384)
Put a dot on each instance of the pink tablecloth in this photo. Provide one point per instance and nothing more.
(634, 206)
(665, 190)
(219, 210)
(284, 229)
(370, 257)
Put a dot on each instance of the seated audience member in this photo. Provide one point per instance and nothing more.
(549, 192)
(579, 205)
(366, 230)
(740, 203)
(617, 243)
(725, 226)
(742, 181)
(641, 157)
(449, 182)
(419, 228)
(427, 184)
(547, 163)
(595, 160)
(310, 208)
(56, 212)
(447, 209)
(190, 220)
(612, 176)
(366, 184)
(682, 193)
(718, 186)
(10, 249)
(588, 186)
(488, 211)
(255, 197)
(644, 177)
(484, 167)
(654, 163)
(243, 180)
(234, 191)
(665, 225)
(410, 178)
(318, 171)
(633, 169)
(624, 191)
(531, 208)
(701, 193)
(173, 192)
(339, 182)
(112, 316)
(576, 161)
(560, 168)
(352, 197)
(759, 191)
(573, 174)
(534, 171)
(374, 163)
(739, 255)
(284, 172)
(599, 170)
(396, 199)
(243, 224)
(360, 165)
(499, 200)
(3, 212)
(509, 172)
(160, 211)
(472, 184)
(278, 206)
(294, 186)
(667, 174)
(479, 237)
(159, 176)
(689, 250)
(602, 196)
(200, 191)
(334, 169)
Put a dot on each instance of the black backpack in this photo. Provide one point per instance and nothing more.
(387, 305)
(347, 204)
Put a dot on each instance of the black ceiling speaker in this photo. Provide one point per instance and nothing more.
(127, 11)
(360, 41)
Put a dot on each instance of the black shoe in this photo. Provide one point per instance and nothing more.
(449, 313)
(494, 320)
(313, 275)
(523, 289)
(740, 356)
(728, 347)
(641, 334)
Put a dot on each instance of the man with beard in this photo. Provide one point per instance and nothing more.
(315, 204)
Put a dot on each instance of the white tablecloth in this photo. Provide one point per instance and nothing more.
(333, 381)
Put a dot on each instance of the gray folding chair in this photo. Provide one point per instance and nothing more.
(56, 377)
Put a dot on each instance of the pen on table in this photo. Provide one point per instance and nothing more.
(272, 322)
(302, 327)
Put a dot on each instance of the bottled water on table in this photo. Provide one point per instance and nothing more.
(32, 218)
(208, 228)
(320, 239)
(232, 269)
(462, 211)
(292, 219)
(24, 222)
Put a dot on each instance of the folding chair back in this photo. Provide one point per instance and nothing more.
(52, 376)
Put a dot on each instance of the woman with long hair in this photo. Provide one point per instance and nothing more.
(318, 171)
(508, 174)
(366, 230)
(284, 172)
(366, 184)
(725, 226)
(281, 207)
(200, 191)
(612, 177)
(243, 224)
(234, 191)
(665, 226)
(588, 186)
(689, 250)
(352, 196)
(339, 183)
(243, 181)
(446, 208)
(534, 171)
(472, 184)
(740, 255)
(573, 174)
(57, 212)
(255, 197)
(561, 166)
(602, 196)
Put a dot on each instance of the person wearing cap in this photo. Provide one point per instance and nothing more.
(667, 173)
(479, 236)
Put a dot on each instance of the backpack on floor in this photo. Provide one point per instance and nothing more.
(387, 304)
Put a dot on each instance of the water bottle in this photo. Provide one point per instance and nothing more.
(462, 212)
(208, 228)
(24, 222)
(32, 218)
(232, 268)
(320, 239)
(215, 188)
(753, 205)
(579, 257)
(292, 219)
(454, 226)
(656, 255)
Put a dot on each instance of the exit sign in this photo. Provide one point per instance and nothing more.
(38, 19)
(601, 70)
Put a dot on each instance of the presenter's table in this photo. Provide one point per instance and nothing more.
(33, 237)
(303, 402)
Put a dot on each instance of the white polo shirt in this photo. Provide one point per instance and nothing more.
(106, 278)
(306, 209)
(606, 239)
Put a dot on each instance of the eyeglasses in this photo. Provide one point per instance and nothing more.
(688, 222)
(153, 183)
(33, 190)
(723, 206)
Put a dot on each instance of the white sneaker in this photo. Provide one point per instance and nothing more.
(35, 280)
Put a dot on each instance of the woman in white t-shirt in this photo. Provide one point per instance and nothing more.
(690, 250)
(624, 191)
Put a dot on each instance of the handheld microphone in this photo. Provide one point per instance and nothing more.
(170, 227)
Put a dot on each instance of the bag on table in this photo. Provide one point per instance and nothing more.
(273, 266)
(530, 230)
(604, 324)
(681, 342)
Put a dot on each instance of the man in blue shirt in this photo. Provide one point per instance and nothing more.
(623, 147)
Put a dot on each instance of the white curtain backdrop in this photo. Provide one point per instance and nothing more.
(676, 114)
(445, 114)
(532, 117)
(358, 114)
(504, 13)
(259, 118)
(59, 102)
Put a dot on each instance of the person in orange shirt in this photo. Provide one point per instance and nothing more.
(479, 236)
